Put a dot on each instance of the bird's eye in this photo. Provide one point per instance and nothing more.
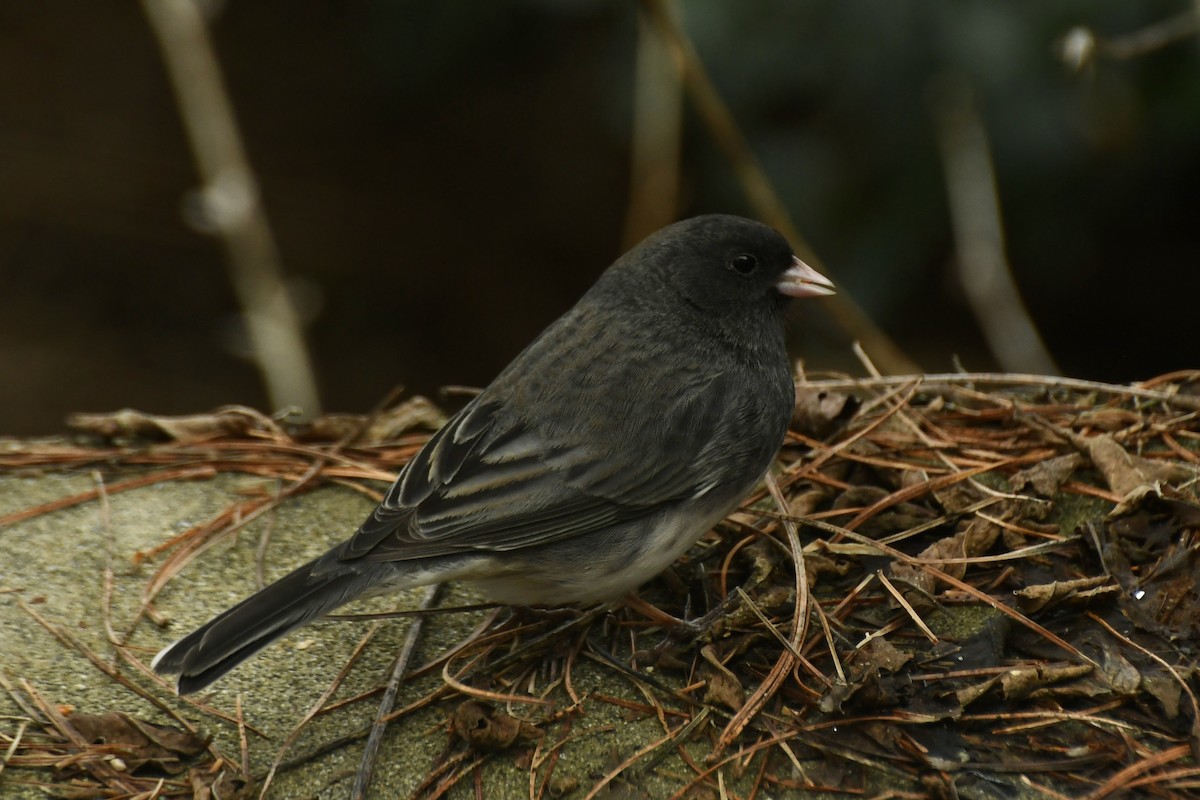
(743, 264)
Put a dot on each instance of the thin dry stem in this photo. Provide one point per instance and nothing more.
(232, 204)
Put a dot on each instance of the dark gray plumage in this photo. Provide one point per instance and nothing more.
(627, 429)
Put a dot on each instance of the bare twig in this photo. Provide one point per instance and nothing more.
(1080, 46)
(14, 744)
(758, 189)
(788, 657)
(178, 473)
(366, 769)
(657, 131)
(315, 709)
(934, 381)
(232, 204)
(983, 266)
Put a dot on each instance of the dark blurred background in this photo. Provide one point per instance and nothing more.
(444, 179)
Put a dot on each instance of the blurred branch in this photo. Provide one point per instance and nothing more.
(1080, 46)
(232, 205)
(657, 131)
(979, 232)
(758, 189)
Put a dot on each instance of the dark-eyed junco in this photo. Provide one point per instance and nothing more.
(624, 432)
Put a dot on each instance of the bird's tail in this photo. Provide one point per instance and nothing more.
(230, 638)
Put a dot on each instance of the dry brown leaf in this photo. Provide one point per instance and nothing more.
(972, 692)
(482, 726)
(1125, 473)
(1109, 419)
(141, 744)
(415, 412)
(723, 689)
(1120, 675)
(1022, 681)
(1166, 690)
(907, 576)
(886, 655)
(230, 421)
(1155, 554)
(953, 499)
(978, 537)
(1151, 493)
(819, 412)
(818, 564)
(1035, 598)
(1047, 477)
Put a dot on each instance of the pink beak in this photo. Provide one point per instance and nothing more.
(801, 280)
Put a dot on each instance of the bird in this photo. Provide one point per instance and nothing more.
(614, 441)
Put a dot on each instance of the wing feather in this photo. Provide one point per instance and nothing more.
(494, 480)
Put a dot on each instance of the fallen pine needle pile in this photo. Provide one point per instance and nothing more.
(955, 585)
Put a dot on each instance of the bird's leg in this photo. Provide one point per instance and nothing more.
(651, 612)
(680, 632)
(568, 619)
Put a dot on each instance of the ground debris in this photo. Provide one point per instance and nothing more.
(997, 585)
(482, 726)
(114, 754)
